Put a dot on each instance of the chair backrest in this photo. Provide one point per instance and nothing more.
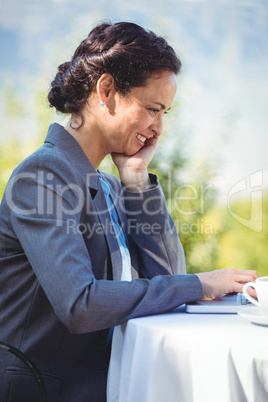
(32, 366)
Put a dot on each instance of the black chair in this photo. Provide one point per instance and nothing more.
(34, 369)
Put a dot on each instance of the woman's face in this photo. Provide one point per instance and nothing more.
(139, 115)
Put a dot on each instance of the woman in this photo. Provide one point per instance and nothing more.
(80, 251)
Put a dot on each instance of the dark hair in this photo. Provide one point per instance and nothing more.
(125, 50)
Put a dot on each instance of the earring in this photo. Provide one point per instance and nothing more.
(102, 104)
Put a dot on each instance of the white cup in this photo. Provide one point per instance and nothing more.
(261, 287)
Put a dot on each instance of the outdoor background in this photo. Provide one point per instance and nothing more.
(212, 159)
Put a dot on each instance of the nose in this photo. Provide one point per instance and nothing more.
(157, 126)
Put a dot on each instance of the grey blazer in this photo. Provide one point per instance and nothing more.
(60, 270)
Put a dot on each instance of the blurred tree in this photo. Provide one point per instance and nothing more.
(11, 146)
(239, 246)
(25, 125)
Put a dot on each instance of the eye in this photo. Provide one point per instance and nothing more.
(153, 111)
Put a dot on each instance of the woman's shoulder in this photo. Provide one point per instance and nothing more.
(44, 155)
(48, 162)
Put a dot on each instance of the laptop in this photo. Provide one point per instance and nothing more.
(227, 304)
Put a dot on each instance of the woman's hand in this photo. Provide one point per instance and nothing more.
(133, 169)
(219, 282)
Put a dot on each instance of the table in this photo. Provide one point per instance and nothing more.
(189, 357)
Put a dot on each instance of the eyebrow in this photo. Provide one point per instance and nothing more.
(161, 105)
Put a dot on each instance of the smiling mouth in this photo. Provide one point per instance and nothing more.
(142, 138)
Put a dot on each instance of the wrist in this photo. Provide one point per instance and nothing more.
(135, 181)
(138, 186)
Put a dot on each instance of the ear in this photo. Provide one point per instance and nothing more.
(104, 86)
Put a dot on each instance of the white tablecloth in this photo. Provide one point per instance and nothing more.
(189, 357)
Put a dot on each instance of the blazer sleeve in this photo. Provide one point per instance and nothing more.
(60, 259)
(152, 229)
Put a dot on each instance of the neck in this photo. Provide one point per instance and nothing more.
(88, 139)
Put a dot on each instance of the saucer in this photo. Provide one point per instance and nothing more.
(255, 315)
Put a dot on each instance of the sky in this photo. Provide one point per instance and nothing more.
(223, 88)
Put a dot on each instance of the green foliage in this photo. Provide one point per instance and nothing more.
(239, 246)
(12, 149)
(25, 126)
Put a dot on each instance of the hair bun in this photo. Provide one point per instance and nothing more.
(64, 67)
(57, 94)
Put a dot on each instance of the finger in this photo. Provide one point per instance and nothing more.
(152, 141)
(234, 271)
(252, 292)
(246, 276)
(237, 288)
(250, 272)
